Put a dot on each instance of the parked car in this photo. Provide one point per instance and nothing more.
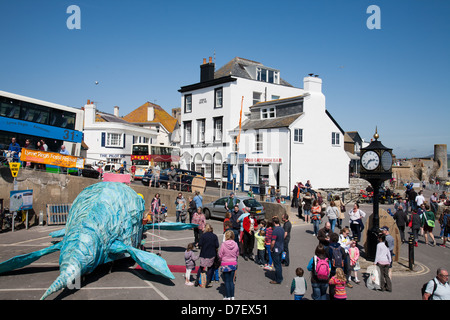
(183, 176)
(216, 209)
(88, 171)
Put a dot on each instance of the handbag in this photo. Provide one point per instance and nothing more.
(431, 223)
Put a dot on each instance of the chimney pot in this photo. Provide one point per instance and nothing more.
(210, 59)
(204, 60)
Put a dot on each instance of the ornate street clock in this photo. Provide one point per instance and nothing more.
(376, 167)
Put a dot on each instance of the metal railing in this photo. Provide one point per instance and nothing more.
(57, 213)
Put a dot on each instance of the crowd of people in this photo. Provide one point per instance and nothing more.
(333, 267)
(242, 234)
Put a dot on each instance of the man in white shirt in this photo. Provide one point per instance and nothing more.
(420, 198)
(442, 291)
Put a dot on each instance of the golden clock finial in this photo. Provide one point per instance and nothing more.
(376, 135)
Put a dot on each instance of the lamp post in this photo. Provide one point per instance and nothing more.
(376, 167)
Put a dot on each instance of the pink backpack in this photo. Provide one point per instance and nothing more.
(322, 268)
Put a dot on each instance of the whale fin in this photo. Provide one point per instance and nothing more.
(58, 233)
(25, 259)
(148, 261)
(172, 226)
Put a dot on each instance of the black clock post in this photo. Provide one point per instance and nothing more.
(376, 167)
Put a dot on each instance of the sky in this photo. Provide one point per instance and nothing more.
(394, 78)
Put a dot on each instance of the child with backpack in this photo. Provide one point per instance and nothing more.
(320, 267)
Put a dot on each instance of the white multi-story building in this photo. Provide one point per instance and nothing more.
(110, 138)
(212, 106)
(292, 140)
(287, 135)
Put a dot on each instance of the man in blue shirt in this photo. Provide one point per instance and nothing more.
(14, 148)
(198, 199)
(277, 247)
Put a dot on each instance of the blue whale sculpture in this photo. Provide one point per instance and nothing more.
(104, 224)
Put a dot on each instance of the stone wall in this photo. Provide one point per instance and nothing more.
(50, 188)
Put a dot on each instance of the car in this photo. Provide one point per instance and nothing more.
(183, 176)
(88, 171)
(216, 209)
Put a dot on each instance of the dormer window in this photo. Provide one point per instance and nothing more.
(266, 75)
(268, 113)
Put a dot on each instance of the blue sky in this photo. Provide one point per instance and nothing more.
(395, 78)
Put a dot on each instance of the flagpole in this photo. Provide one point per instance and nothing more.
(238, 140)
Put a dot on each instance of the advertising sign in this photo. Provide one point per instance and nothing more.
(51, 158)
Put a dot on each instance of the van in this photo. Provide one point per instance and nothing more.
(112, 167)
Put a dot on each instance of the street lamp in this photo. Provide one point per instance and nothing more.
(375, 167)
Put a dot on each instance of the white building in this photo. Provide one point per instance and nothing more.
(292, 140)
(110, 138)
(211, 106)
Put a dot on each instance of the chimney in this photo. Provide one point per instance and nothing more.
(116, 111)
(150, 112)
(312, 83)
(207, 70)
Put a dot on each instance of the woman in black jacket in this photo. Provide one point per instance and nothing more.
(192, 208)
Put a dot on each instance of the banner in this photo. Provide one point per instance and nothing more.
(51, 158)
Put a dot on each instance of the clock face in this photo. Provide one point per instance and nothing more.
(370, 160)
(386, 160)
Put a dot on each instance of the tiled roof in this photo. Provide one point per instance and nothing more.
(140, 116)
(106, 117)
(269, 123)
(236, 68)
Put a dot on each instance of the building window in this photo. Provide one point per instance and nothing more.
(274, 97)
(188, 103)
(218, 101)
(335, 138)
(256, 97)
(201, 130)
(218, 129)
(267, 113)
(298, 135)
(113, 140)
(187, 131)
(258, 142)
(265, 75)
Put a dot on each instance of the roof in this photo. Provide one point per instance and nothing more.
(107, 117)
(236, 68)
(278, 122)
(140, 115)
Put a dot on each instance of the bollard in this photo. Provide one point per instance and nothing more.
(411, 242)
(41, 218)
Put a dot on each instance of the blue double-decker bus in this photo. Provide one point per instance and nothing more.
(34, 120)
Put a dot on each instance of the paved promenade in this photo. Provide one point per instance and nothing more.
(124, 281)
